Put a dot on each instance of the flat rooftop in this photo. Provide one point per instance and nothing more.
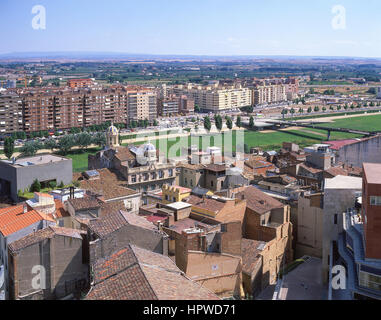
(372, 172)
(35, 160)
(343, 182)
(178, 205)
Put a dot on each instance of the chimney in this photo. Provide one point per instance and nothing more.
(71, 190)
(25, 208)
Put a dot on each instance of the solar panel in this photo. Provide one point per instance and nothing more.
(92, 173)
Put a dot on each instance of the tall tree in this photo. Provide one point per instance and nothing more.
(9, 147)
(229, 123)
(238, 122)
(251, 122)
(83, 140)
(207, 123)
(66, 143)
(218, 120)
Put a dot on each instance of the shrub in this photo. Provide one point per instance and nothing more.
(36, 186)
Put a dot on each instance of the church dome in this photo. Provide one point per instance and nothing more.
(149, 147)
(113, 130)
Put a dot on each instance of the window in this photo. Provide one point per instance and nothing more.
(133, 178)
(170, 172)
(335, 219)
(375, 201)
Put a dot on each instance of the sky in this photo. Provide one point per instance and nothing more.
(195, 27)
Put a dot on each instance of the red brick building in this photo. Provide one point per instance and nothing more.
(371, 209)
(79, 83)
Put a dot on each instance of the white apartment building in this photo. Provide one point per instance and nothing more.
(214, 98)
(142, 104)
(269, 94)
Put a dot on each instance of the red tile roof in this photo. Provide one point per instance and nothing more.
(258, 201)
(133, 273)
(338, 144)
(60, 210)
(13, 219)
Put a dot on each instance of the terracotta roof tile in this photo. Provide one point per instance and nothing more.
(60, 210)
(107, 224)
(133, 273)
(110, 185)
(250, 251)
(13, 219)
(84, 203)
(42, 234)
(258, 201)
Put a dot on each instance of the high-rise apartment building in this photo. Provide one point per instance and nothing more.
(215, 98)
(142, 104)
(50, 109)
(10, 113)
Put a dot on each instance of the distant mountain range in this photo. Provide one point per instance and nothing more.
(98, 56)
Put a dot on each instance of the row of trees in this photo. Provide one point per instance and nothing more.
(338, 107)
(219, 123)
(141, 123)
(82, 140)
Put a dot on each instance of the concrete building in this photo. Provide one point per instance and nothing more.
(268, 94)
(215, 98)
(172, 194)
(309, 241)
(360, 151)
(371, 206)
(168, 107)
(359, 243)
(320, 156)
(11, 115)
(186, 105)
(79, 83)
(119, 229)
(61, 252)
(142, 104)
(339, 194)
(17, 222)
(190, 175)
(16, 175)
(378, 93)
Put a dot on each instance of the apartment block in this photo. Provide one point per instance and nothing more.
(142, 104)
(168, 106)
(10, 113)
(215, 98)
(79, 83)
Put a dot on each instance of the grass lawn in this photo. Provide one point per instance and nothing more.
(80, 158)
(267, 141)
(368, 123)
(30, 195)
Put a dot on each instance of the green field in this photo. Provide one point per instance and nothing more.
(266, 141)
(368, 123)
(80, 158)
